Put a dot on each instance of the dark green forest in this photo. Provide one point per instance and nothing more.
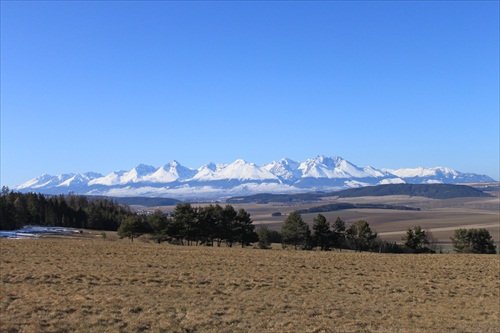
(71, 211)
(341, 206)
(432, 191)
(189, 225)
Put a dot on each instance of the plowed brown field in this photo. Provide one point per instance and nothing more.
(96, 285)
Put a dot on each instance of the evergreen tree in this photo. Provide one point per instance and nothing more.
(208, 224)
(264, 235)
(294, 230)
(158, 224)
(275, 236)
(309, 242)
(184, 224)
(219, 231)
(322, 235)
(95, 217)
(360, 236)
(461, 241)
(243, 229)
(481, 241)
(338, 233)
(22, 215)
(7, 213)
(227, 225)
(416, 240)
(133, 227)
(389, 247)
(5, 190)
(473, 241)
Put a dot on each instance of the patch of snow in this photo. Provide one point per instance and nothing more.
(392, 181)
(433, 181)
(422, 172)
(111, 179)
(355, 184)
(33, 231)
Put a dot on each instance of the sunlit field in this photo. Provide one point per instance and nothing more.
(109, 285)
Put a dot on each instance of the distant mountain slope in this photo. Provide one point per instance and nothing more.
(147, 202)
(212, 180)
(264, 198)
(342, 206)
(432, 191)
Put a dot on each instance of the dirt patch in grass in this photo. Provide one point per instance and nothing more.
(94, 285)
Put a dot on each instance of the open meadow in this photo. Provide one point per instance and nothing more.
(92, 284)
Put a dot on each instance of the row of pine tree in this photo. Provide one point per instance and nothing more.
(190, 225)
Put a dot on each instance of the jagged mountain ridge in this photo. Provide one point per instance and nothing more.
(241, 177)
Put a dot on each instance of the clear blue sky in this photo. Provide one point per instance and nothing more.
(100, 86)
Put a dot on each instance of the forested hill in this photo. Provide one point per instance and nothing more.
(145, 201)
(71, 211)
(343, 205)
(264, 198)
(433, 191)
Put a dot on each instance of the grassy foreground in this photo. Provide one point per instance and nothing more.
(95, 285)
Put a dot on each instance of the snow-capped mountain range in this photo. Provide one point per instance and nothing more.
(240, 178)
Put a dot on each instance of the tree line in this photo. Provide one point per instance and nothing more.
(326, 236)
(190, 225)
(214, 225)
(71, 211)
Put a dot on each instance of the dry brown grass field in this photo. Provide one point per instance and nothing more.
(97, 285)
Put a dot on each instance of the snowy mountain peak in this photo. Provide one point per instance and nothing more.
(288, 161)
(92, 175)
(209, 172)
(80, 179)
(422, 172)
(210, 166)
(321, 160)
(143, 169)
(174, 164)
(169, 172)
(39, 182)
(285, 169)
(335, 168)
(241, 170)
(325, 160)
(240, 177)
(240, 162)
